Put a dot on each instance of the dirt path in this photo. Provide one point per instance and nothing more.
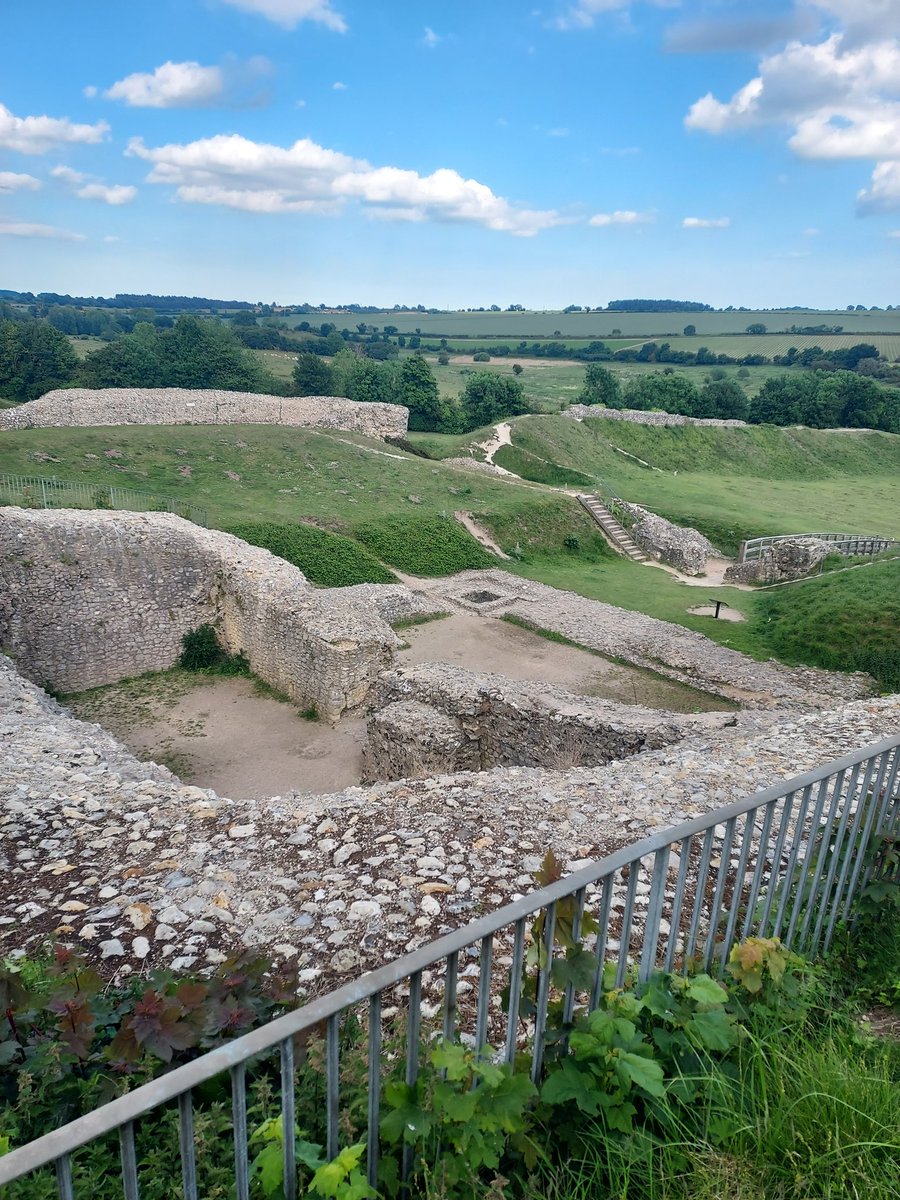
(502, 437)
(480, 534)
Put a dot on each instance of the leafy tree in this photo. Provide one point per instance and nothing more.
(671, 393)
(205, 354)
(312, 376)
(371, 382)
(782, 399)
(34, 358)
(487, 398)
(133, 361)
(757, 328)
(518, 368)
(600, 387)
(417, 388)
(723, 399)
(690, 330)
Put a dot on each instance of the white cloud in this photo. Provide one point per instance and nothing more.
(811, 232)
(233, 171)
(706, 222)
(37, 135)
(584, 13)
(559, 132)
(172, 85)
(117, 193)
(23, 229)
(14, 181)
(430, 38)
(337, 86)
(112, 237)
(622, 216)
(839, 97)
(68, 175)
(290, 13)
(90, 91)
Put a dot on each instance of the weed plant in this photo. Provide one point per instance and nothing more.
(426, 545)
(325, 558)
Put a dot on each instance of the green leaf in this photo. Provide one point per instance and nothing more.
(454, 1105)
(268, 1168)
(714, 1030)
(644, 1073)
(568, 1083)
(705, 990)
(453, 1058)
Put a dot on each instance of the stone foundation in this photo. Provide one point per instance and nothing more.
(186, 406)
(681, 547)
(792, 558)
(435, 718)
(637, 416)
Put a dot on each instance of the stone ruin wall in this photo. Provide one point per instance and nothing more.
(89, 598)
(436, 718)
(185, 406)
(638, 417)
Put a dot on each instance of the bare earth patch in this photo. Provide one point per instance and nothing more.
(220, 733)
(484, 643)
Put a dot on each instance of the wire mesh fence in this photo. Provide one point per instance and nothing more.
(29, 491)
(788, 862)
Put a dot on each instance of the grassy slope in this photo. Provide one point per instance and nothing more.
(763, 478)
(342, 481)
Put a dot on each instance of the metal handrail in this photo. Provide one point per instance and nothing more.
(863, 780)
(846, 543)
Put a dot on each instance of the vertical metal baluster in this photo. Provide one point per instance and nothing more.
(841, 851)
(239, 1126)
(699, 892)
(450, 980)
(654, 913)
(515, 990)
(741, 871)
(785, 822)
(288, 1120)
(627, 916)
(64, 1178)
(859, 859)
(372, 1143)
(602, 932)
(484, 993)
(129, 1162)
(413, 1027)
(569, 1000)
(543, 994)
(684, 854)
(332, 1085)
(883, 821)
(715, 912)
(823, 836)
(799, 827)
(762, 854)
(186, 1146)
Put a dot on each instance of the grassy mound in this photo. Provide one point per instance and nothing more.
(325, 558)
(426, 545)
(541, 470)
(843, 622)
(548, 528)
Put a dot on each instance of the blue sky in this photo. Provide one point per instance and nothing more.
(453, 155)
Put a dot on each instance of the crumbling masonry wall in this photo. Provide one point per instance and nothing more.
(439, 718)
(186, 406)
(89, 598)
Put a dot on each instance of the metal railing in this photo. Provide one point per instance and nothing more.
(787, 862)
(842, 543)
(33, 491)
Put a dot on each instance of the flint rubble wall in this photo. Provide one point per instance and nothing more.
(88, 598)
(638, 417)
(438, 713)
(186, 406)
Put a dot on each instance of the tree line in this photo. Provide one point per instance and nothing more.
(820, 399)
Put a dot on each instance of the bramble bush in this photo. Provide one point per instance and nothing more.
(426, 545)
(325, 558)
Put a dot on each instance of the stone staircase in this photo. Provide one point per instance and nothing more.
(615, 534)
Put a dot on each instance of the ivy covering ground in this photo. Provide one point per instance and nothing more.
(329, 559)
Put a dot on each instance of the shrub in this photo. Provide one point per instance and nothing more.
(201, 652)
(325, 558)
(424, 545)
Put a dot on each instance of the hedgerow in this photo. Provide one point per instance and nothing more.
(325, 558)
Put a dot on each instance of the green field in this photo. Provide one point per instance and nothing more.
(519, 325)
(770, 344)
